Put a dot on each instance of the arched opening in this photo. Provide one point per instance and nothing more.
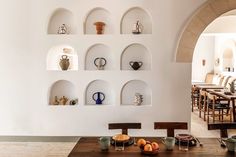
(200, 30)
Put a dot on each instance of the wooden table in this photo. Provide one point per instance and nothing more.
(232, 98)
(205, 87)
(89, 147)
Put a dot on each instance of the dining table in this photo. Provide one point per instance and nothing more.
(226, 95)
(210, 147)
(208, 86)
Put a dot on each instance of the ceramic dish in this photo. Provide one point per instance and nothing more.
(190, 138)
(149, 152)
(126, 143)
(121, 137)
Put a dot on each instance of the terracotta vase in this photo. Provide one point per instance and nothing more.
(99, 27)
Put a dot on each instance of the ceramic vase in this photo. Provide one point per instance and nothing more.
(138, 99)
(99, 27)
(64, 62)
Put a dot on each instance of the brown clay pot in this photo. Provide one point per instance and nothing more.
(64, 62)
(99, 27)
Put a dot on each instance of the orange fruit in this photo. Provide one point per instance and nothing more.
(155, 145)
(148, 148)
(141, 142)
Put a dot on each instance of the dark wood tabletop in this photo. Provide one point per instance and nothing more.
(89, 147)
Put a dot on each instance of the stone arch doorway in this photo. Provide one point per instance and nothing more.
(207, 13)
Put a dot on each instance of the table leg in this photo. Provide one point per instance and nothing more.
(234, 114)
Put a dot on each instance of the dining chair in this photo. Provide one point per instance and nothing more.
(124, 126)
(202, 104)
(195, 97)
(223, 127)
(171, 127)
(217, 109)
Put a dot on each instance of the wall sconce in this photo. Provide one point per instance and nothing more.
(217, 61)
(203, 62)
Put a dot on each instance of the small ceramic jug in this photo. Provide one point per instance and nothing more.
(100, 63)
(100, 97)
(137, 28)
(104, 143)
(138, 99)
(135, 65)
(99, 27)
(55, 101)
(62, 29)
(63, 100)
(64, 62)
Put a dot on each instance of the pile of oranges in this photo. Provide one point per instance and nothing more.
(147, 146)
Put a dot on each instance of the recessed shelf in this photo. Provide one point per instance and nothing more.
(132, 16)
(56, 53)
(99, 86)
(131, 88)
(62, 88)
(59, 17)
(98, 15)
(135, 53)
(100, 55)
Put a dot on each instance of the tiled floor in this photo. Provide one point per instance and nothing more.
(62, 149)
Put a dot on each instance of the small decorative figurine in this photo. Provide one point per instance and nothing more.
(64, 62)
(100, 63)
(138, 99)
(137, 28)
(100, 97)
(67, 50)
(63, 100)
(62, 29)
(99, 27)
(74, 102)
(135, 64)
(55, 101)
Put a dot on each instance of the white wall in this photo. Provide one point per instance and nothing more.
(25, 82)
(205, 49)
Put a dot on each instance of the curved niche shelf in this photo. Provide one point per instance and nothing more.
(132, 88)
(59, 17)
(98, 15)
(135, 53)
(63, 88)
(55, 55)
(99, 86)
(228, 55)
(100, 55)
(130, 18)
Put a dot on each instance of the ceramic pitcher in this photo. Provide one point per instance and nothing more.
(135, 64)
(98, 97)
(100, 63)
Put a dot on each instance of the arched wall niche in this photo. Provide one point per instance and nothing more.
(62, 16)
(98, 15)
(207, 13)
(227, 54)
(131, 16)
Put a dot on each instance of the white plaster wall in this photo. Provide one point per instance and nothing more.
(25, 82)
(223, 24)
(205, 49)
